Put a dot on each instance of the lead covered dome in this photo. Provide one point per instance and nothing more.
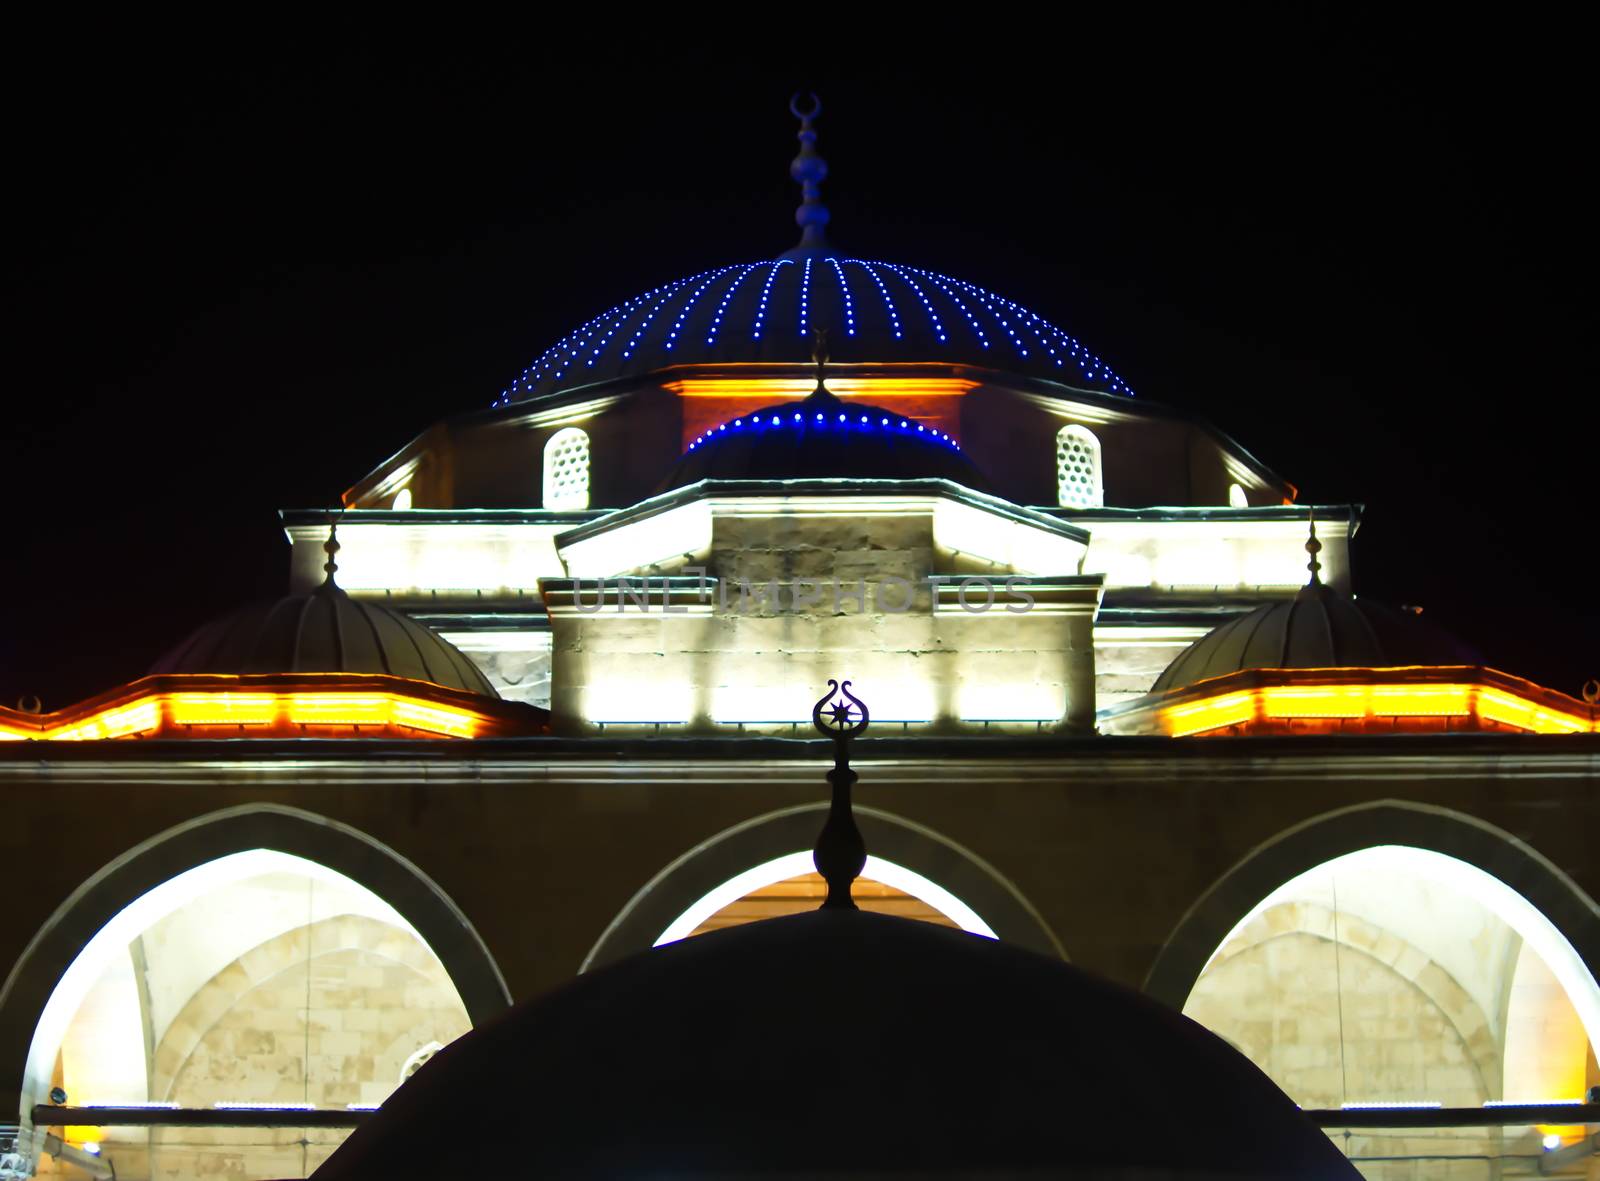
(839, 1043)
(822, 438)
(324, 631)
(1319, 628)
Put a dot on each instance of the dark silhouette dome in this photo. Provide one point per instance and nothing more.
(822, 437)
(324, 631)
(842, 1043)
(1318, 628)
(770, 311)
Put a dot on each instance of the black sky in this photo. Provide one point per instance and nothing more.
(246, 266)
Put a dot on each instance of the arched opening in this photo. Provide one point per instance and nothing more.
(566, 469)
(909, 867)
(790, 884)
(257, 956)
(1079, 481)
(1400, 974)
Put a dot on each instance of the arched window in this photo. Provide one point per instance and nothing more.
(1078, 479)
(566, 470)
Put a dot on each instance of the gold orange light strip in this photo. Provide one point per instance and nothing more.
(1281, 702)
(780, 387)
(280, 712)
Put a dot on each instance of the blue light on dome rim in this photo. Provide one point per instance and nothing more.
(852, 420)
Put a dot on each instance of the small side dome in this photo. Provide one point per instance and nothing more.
(822, 437)
(1318, 628)
(324, 631)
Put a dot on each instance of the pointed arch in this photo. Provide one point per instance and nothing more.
(1500, 855)
(46, 962)
(764, 839)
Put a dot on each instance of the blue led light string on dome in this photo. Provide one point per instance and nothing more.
(650, 316)
(629, 327)
(849, 301)
(972, 321)
(545, 361)
(927, 305)
(574, 348)
(694, 298)
(617, 322)
(766, 294)
(1033, 321)
(805, 301)
(888, 300)
(716, 320)
(574, 343)
(1093, 367)
(1029, 321)
(982, 297)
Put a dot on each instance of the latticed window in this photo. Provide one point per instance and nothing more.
(1078, 482)
(566, 470)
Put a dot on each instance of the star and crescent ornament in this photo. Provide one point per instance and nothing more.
(839, 713)
(840, 853)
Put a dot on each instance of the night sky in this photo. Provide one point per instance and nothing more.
(243, 271)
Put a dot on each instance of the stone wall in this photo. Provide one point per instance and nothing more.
(326, 1014)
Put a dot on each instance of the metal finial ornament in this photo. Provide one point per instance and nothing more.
(810, 170)
(819, 354)
(841, 854)
(1314, 547)
(331, 547)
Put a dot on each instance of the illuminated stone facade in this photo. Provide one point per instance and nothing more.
(1375, 896)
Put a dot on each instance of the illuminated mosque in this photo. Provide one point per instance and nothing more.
(541, 696)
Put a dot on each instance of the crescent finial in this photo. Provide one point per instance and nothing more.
(840, 853)
(810, 169)
(805, 116)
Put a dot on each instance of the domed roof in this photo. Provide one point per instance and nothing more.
(880, 312)
(844, 1043)
(1319, 628)
(324, 631)
(822, 437)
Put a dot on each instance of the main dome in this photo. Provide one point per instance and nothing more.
(770, 311)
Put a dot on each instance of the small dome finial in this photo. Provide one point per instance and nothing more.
(841, 853)
(810, 170)
(331, 547)
(1314, 547)
(819, 354)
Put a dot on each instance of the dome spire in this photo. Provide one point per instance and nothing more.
(331, 547)
(810, 170)
(841, 853)
(1313, 547)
